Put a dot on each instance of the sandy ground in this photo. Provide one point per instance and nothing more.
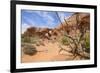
(49, 52)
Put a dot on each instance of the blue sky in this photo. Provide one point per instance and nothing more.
(42, 19)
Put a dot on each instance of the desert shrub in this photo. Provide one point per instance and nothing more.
(29, 50)
(33, 40)
(87, 42)
(27, 39)
(64, 40)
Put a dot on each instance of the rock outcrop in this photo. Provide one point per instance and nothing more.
(82, 19)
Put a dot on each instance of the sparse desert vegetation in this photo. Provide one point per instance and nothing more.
(69, 41)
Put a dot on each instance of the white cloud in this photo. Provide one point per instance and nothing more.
(61, 15)
(30, 21)
(47, 16)
(49, 19)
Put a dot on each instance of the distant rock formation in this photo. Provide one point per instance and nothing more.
(76, 19)
(81, 19)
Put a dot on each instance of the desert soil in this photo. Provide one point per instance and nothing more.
(49, 52)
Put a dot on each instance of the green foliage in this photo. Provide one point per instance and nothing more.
(64, 40)
(27, 39)
(33, 40)
(87, 42)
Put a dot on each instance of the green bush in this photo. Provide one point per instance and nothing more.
(27, 39)
(64, 40)
(33, 40)
(87, 42)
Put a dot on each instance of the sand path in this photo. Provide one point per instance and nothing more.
(52, 54)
